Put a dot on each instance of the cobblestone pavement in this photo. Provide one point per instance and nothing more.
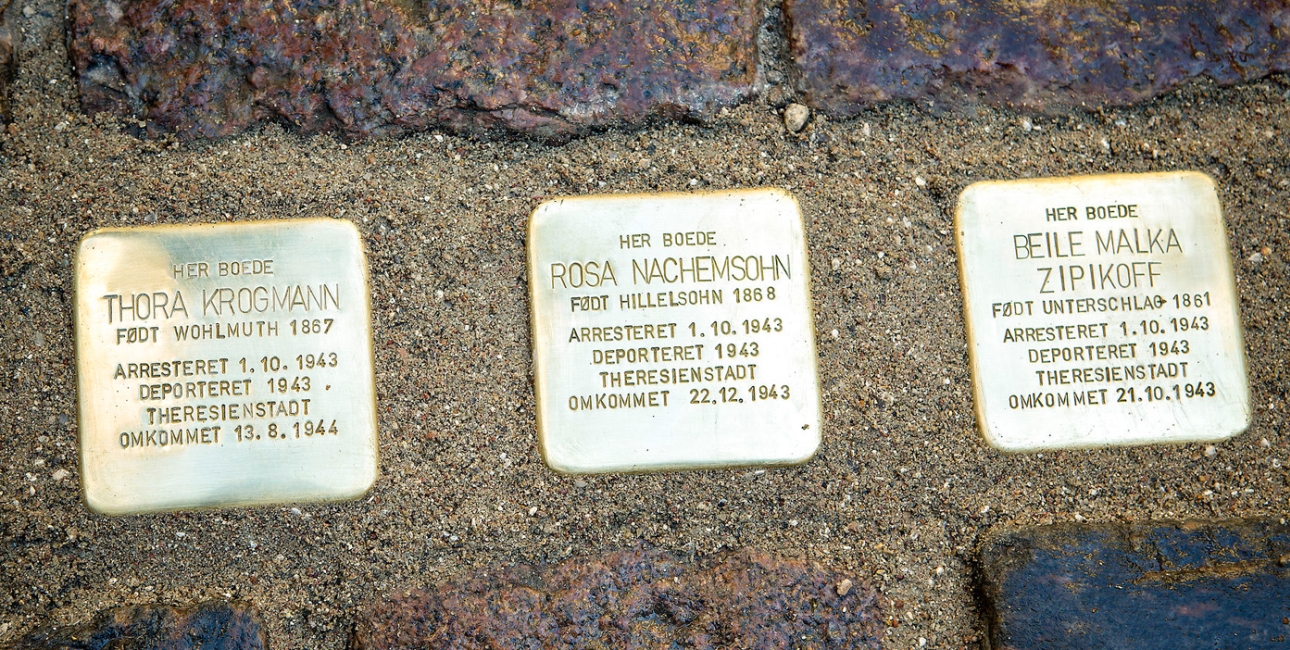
(901, 493)
(556, 68)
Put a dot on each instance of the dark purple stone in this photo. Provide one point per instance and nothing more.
(212, 625)
(1166, 586)
(851, 53)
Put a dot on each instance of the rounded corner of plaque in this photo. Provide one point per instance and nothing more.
(557, 464)
(966, 196)
(86, 240)
(1239, 428)
(808, 454)
(973, 188)
(347, 226)
(775, 190)
(999, 444)
(562, 469)
(540, 211)
(1201, 177)
(361, 488)
(365, 482)
(97, 506)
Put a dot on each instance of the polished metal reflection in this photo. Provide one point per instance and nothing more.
(224, 365)
(673, 331)
(1101, 310)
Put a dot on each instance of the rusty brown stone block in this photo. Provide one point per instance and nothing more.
(633, 599)
(549, 68)
(1157, 586)
(206, 626)
(851, 53)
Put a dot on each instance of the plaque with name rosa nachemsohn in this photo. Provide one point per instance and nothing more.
(672, 331)
(1101, 310)
(224, 365)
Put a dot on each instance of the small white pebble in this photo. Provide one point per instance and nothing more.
(920, 181)
(579, 483)
(60, 474)
(1079, 517)
(1265, 443)
(1211, 451)
(795, 117)
(181, 534)
(1026, 125)
(1256, 258)
(844, 587)
(792, 522)
(694, 182)
(837, 263)
(533, 511)
(834, 333)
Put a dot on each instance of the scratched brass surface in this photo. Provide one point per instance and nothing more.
(224, 365)
(1101, 310)
(650, 356)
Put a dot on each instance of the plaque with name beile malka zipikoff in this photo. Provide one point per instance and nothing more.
(1101, 310)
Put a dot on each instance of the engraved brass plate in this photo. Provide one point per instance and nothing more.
(224, 365)
(1101, 311)
(673, 331)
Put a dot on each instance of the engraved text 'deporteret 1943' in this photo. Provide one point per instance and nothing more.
(673, 331)
(1101, 311)
(222, 365)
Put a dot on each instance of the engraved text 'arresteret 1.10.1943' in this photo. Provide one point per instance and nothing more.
(223, 365)
(672, 331)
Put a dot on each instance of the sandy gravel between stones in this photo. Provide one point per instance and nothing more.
(900, 493)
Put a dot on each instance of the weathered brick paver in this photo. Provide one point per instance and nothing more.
(852, 53)
(206, 626)
(1164, 585)
(549, 68)
(634, 599)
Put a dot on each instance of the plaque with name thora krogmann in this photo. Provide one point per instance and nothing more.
(1101, 310)
(224, 365)
(672, 331)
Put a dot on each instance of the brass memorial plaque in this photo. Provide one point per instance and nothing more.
(223, 365)
(1100, 311)
(672, 331)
